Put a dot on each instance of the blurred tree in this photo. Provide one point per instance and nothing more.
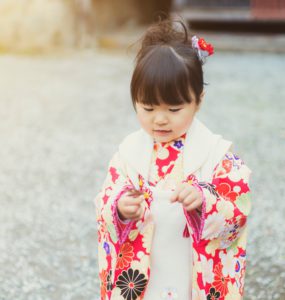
(112, 13)
(148, 9)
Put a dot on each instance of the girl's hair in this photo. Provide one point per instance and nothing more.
(167, 69)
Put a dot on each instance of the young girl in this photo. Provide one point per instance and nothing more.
(172, 212)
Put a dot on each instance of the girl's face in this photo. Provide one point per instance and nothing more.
(166, 122)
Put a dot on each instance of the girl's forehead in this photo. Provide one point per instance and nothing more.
(162, 104)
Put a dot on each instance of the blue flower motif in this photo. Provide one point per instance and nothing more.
(237, 268)
(106, 247)
(178, 144)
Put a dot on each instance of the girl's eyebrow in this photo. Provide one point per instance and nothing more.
(176, 105)
(168, 105)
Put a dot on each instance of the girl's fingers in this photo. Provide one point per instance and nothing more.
(139, 213)
(175, 194)
(192, 206)
(184, 194)
(134, 193)
(189, 200)
(181, 192)
(134, 201)
(134, 212)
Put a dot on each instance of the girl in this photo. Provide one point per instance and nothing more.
(172, 212)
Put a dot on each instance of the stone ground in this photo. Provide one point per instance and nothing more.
(62, 118)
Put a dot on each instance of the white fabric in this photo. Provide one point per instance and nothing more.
(171, 253)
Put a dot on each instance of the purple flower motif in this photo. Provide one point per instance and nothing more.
(237, 267)
(106, 247)
(234, 228)
(178, 144)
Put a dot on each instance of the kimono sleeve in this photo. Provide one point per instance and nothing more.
(226, 203)
(115, 185)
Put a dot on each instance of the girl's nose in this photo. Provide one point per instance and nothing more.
(160, 119)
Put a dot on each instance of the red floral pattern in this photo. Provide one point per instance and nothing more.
(125, 256)
(162, 165)
(205, 46)
(220, 282)
(220, 274)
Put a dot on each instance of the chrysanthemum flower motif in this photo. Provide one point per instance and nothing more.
(169, 294)
(131, 283)
(202, 47)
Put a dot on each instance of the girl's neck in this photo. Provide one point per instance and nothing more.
(183, 136)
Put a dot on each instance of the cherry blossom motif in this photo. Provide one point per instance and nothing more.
(213, 226)
(218, 255)
(146, 240)
(169, 294)
(212, 246)
(166, 162)
(226, 208)
(224, 189)
(229, 263)
(225, 168)
(227, 165)
(165, 157)
(207, 266)
(114, 174)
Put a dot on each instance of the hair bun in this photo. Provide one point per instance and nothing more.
(164, 32)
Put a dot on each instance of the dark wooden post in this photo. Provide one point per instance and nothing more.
(268, 9)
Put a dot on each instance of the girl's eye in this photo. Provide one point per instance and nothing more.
(174, 110)
(148, 109)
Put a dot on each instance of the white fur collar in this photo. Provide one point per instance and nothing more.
(200, 144)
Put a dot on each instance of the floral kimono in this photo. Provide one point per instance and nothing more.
(218, 231)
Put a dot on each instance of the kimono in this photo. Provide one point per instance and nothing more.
(218, 232)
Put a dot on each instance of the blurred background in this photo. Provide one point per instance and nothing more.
(65, 70)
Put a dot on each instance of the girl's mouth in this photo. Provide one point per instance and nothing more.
(162, 132)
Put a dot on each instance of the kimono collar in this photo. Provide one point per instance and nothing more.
(176, 143)
(136, 149)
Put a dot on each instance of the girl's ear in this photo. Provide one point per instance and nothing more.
(201, 100)
(202, 96)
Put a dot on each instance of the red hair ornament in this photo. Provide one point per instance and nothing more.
(202, 48)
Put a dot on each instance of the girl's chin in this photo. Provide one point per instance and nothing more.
(161, 136)
(163, 139)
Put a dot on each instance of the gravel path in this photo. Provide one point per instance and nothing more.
(61, 120)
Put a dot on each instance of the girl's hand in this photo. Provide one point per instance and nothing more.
(130, 206)
(188, 195)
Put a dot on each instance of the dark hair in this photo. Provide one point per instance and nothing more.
(167, 69)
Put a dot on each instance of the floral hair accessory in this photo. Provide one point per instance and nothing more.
(202, 48)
